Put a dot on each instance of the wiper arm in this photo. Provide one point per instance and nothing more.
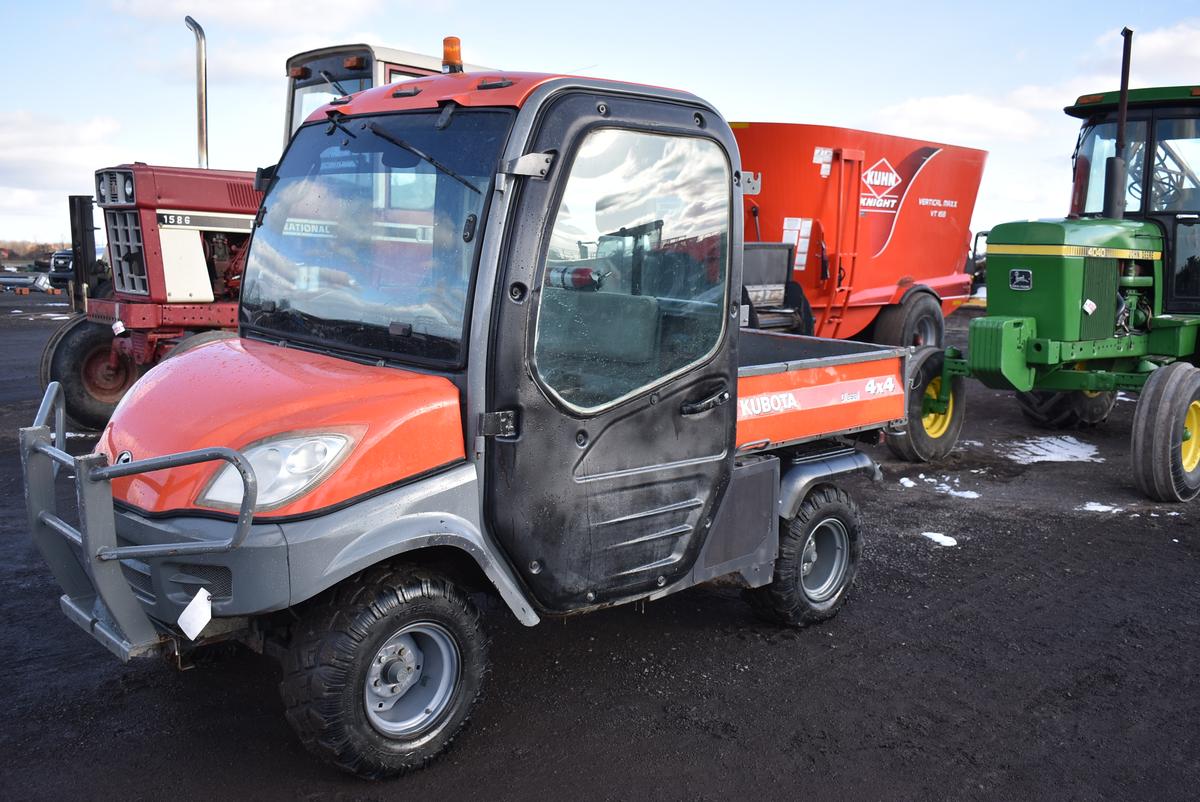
(400, 143)
(329, 79)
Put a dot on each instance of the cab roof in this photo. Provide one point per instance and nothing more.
(463, 88)
(1087, 105)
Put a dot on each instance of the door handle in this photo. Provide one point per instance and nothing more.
(712, 402)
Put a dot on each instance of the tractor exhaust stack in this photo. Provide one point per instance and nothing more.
(1116, 171)
(201, 92)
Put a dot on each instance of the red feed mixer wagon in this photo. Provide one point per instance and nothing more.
(855, 235)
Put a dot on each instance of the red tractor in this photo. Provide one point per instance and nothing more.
(177, 238)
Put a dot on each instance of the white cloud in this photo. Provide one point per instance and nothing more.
(1028, 137)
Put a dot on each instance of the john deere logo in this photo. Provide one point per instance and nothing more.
(1020, 280)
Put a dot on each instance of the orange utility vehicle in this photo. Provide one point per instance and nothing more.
(874, 231)
(437, 389)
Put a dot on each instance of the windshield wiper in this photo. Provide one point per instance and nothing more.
(329, 79)
(400, 143)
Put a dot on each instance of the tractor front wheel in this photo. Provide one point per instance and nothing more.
(80, 357)
(1074, 409)
(930, 434)
(1166, 434)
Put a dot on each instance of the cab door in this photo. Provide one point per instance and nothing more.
(613, 350)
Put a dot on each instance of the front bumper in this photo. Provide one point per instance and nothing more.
(126, 578)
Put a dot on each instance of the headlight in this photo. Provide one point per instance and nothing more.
(129, 189)
(100, 189)
(286, 468)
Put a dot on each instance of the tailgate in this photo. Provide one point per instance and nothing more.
(790, 402)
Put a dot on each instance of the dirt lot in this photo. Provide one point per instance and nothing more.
(1051, 653)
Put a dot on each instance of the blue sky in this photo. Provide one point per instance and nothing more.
(95, 83)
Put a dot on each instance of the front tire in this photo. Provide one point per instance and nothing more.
(929, 436)
(1165, 442)
(79, 356)
(384, 672)
(819, 551)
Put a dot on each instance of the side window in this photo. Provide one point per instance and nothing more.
(1174, 183)
(634, 281)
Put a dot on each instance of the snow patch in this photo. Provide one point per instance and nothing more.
(940, 538)
(950, 491)
(1052, 449)
(1096, 506)
(904, 480)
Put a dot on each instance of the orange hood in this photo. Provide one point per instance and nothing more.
(237, 392)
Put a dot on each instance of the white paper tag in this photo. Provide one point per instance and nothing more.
(1089, 306)
(197, 614)
(118, 328)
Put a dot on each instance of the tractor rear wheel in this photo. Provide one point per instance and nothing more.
(1165, 443)
(1074, 409)
(80, 357)
(819, 551)
(929, 435)
(916, 321)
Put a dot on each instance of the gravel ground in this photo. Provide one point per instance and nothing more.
(1050, 653)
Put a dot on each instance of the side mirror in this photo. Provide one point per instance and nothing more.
(263, 177)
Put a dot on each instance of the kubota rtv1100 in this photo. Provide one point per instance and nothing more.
(434, 391)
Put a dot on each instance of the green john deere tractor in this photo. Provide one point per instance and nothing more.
(1105, 300)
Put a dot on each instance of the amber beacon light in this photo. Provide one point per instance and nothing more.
(452, 54)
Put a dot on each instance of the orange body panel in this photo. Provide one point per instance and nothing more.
(892, 212)
(820, 401)
(239, 392)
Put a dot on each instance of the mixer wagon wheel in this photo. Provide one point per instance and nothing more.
(1165, 443)
(931, 433)
(917, 321)
(1074, 409)
(79, 356)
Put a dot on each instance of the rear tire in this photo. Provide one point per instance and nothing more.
(1073, 409)
(929, 437)
(79, 359)
(1165, 442)
(348, 658)
(196, 340)
(916, 321)
(819, 551)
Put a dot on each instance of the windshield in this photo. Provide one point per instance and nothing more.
(310, 98)
(1097, 142)
(368, 237)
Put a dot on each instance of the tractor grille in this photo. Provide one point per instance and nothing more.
(242, 197)
(1099, 287)
(125, 249)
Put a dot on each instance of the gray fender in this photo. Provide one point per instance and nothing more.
(437, 511)
(425, 530)
(800, 478)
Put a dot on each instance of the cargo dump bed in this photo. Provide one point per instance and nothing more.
(792, 388)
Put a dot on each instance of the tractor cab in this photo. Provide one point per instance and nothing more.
(317, 77)
(1162, 187)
